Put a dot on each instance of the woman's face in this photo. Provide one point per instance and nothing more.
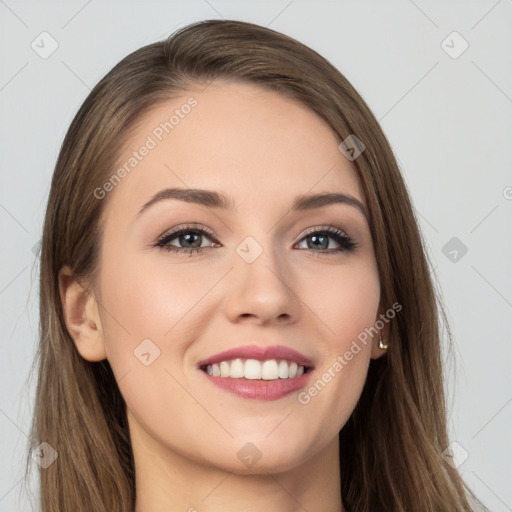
(256, 273)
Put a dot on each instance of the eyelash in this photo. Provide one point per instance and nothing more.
(346, 243)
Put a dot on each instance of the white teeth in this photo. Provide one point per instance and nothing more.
(283, 370)
(256, 370)
(269, 370)
(237, 369)
(252, 369)
(224, 369)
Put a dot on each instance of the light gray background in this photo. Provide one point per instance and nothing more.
(448, 119)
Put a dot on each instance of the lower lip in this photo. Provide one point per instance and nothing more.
(259, 389)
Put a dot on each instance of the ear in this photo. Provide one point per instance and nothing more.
(384, 332)
(82, 317)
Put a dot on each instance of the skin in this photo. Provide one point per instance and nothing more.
(263, 150)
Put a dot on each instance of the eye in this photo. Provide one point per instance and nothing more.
(189, 236)
(318, 238)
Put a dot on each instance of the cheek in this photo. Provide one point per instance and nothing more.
(148, 300)
(346, 302)
(149, 315)
(347, 308)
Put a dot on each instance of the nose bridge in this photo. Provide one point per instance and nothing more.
(260, 281)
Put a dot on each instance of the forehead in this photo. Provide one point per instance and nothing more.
(251, 143)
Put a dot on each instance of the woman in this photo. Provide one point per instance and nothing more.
(236, 307)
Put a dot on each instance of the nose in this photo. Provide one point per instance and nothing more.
(261, 291)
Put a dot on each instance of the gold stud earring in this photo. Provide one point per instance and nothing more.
(381, 343)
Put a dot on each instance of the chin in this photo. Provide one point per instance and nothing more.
(257, 455)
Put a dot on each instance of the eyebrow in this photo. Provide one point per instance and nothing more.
(213, 199)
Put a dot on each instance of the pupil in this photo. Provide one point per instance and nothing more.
(187, 237)
(315, 237)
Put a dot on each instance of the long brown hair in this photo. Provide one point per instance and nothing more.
(391, 448)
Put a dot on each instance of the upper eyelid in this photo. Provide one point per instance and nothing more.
(179, 229)
(330, 229)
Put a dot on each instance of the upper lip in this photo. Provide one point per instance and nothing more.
(259, 353)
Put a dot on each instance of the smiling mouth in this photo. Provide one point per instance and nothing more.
(252, 369)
